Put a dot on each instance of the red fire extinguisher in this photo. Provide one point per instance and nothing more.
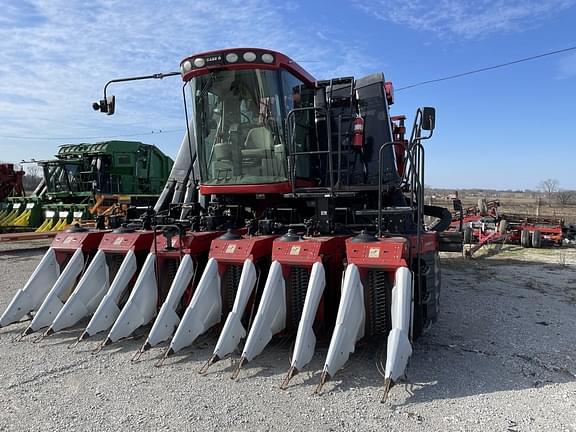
(358, 132)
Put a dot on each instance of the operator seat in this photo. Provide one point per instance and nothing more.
(260, 151)
(259, 143)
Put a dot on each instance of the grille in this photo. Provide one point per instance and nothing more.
(230, 283)
(114, 261)
(171, 269)
(378, 302)
(297, 287)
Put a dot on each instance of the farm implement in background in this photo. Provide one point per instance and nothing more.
(87, 181)
(484, 225)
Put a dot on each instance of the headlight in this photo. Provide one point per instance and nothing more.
(267, 58)
(186, 66)
(249, 56)
(199, 62)
(231, 57)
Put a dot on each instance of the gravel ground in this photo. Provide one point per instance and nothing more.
(501, 358)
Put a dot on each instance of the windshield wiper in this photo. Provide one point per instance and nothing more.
(208, 84)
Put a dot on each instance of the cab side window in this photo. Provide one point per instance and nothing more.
(302, 129)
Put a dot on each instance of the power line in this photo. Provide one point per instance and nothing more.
(158, 132)
(421, 83)
(484, 69)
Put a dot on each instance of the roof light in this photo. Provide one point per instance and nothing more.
(249, 56)
(199, 62)
(267, 58)
(231, 57)
(186, 66)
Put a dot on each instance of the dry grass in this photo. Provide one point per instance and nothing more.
(521, 203)
(561, 258)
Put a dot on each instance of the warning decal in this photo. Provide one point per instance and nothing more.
(373, 252)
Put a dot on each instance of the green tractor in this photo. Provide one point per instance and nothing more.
(89, 179)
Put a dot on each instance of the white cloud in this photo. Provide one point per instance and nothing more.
(465, 19)
(56, 56)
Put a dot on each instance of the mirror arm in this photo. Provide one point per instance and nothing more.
(422, 138)
(139, 78)
(107, 106)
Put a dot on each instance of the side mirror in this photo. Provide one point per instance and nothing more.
(107, 105)
(428, 118)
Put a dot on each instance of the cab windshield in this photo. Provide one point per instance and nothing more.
(239, 128)
(62, 177)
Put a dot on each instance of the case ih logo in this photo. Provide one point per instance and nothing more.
(213, 59)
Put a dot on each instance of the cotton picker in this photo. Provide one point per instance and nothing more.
(294, 206)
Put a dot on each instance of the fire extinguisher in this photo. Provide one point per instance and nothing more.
(358, 132)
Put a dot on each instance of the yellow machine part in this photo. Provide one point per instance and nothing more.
(60, 225)
(23, 219)
(46, 225)
(5, 216)
(10, 218)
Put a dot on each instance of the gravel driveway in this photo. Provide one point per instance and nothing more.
(502, 357)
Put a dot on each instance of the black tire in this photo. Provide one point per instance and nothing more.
(503, 226)
(468, 237)
(525, 238)
(537, 239)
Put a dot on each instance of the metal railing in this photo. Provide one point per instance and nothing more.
(413, 176)
(292, 153)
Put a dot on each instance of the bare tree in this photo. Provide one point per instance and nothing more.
(549, 187)
(565, 197)
(32, 178)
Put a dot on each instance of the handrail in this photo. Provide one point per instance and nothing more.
(291, 145)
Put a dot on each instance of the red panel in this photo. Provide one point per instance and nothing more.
(306, 252)
(428, 243)
(193, 243)
(280, 61)
(123, 242)
(237, 251)
(329, 251)
(543, 229)
(70, 241)
(389, 89)
(387, 253)
(266, 188)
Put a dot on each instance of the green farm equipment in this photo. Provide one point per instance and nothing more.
(88, 179)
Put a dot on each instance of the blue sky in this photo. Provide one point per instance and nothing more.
(506, 129)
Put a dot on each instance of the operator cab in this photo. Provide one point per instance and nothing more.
(239, 102)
